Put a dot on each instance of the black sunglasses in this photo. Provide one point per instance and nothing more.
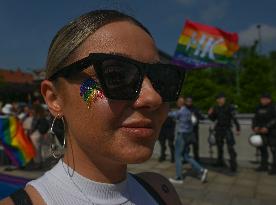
(121, 78)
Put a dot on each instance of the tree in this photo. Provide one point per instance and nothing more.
(257, 75)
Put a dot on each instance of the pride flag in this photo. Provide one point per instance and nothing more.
(201, 46)
(16, 144)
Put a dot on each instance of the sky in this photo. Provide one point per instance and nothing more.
(28, 26)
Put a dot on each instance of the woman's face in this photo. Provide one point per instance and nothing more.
(121, 131)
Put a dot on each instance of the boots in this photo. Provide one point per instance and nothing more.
(262, 168)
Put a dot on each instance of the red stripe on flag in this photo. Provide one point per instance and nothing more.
(233, 37)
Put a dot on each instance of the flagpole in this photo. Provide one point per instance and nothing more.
(238, 80)
(237, 68)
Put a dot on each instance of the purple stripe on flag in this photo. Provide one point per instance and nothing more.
(13, 179)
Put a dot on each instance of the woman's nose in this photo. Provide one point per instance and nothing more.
(148, 98)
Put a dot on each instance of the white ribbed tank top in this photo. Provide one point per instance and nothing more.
(57, 188)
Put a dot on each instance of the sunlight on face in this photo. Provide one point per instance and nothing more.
(123, 131)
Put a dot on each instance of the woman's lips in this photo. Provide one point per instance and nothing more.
(140, 129)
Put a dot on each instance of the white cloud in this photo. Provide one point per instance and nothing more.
(249, 35)
(213, 11)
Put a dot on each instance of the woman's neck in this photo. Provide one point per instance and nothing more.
(94, 167)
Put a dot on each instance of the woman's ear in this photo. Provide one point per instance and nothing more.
(52, 99)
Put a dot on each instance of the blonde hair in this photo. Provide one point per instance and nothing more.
(73, 34)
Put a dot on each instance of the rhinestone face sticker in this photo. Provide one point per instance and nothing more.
(90, 91)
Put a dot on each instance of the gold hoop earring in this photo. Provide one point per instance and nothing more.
(57, 149)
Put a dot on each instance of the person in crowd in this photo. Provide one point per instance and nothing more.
(196, 117)
(264, 123)
(167, 134)
(27, 121)
(40, 127)
(224, 115)
(23, 112)
(183, 139)
(105, 82)
(8, 110)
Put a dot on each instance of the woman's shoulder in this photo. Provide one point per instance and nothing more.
(36, 198)
(162, 186)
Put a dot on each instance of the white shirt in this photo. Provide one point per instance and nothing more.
(56, 187)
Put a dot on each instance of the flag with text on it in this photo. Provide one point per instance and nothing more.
(201, 46)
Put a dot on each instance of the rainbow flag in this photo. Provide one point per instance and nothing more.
(201, 46)
(16, 144)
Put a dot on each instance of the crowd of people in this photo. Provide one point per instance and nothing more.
(35, 120)
(181, 130)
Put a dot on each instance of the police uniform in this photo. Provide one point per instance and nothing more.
(224, 117)
(265, 117)
(167, 133)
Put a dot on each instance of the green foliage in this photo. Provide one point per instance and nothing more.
(256, 74)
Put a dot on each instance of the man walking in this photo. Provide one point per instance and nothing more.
(184, 137)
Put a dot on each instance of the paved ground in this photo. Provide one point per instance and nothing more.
(222, 188)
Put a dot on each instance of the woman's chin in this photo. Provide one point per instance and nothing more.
(135, 156)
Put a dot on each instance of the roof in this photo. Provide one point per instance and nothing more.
(164, 57)
(15, 76)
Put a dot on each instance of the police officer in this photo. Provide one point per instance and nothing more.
(196, 117)
(167, 134)
(264, 123)
(224, 114)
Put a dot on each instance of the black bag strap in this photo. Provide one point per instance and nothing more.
(150, 190)
(20, 197)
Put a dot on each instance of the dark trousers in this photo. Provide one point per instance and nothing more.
(196, 144)
(273, 151)
(225, 135)
(264, 154)
(162, 140)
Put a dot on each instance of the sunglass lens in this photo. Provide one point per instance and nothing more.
(121, 80)
(167, 80)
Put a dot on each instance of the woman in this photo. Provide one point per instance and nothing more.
(40, 127)
(105, 83)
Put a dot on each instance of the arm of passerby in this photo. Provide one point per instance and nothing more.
(272, 122)
(256, 129)
(34, 124)
(236, 122)
(212, 114)
(263, 130)
(199, 115)
(255, 126)
(173, 114)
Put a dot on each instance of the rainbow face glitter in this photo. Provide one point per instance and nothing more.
(90, 91)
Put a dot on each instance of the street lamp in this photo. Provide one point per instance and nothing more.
(259, 37)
